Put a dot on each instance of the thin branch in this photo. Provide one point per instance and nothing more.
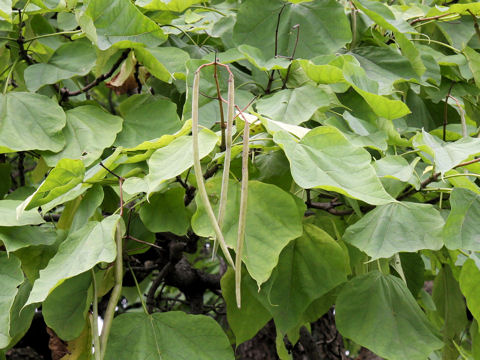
(130, 237)
(475, 23)
(155, 284)
(21, 40)
(66, 93)
(297, 27)
(445, 112)
(21, 167)
(430, 18)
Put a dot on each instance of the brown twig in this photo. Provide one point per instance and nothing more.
(475, 23)
(430, 18)
(296, 27)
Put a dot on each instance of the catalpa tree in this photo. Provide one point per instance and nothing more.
(191, 179)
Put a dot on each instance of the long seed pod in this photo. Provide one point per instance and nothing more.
(228, 155)
(198, 170)
(242, 217)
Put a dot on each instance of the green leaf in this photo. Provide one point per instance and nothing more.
(167, 5)
(166, 212)
(368, 89)
(11, 276)
(89, 130)
(167, 336)
(89, 204)
(120, 23)
(294, 106)
(397, 227)
(395, 167)
(18, 237)
(66, 307)
(173, 159)
(6, 9)
(273, 220)
(473, 58)
(470, 286)
(71, 59)
(379, 312)
(20, 318)
(308, 267)
(385, 65)
(321, 73)
(445, 155)
(64, 177)
(450, 306)
(8, 214)
(325, 159)
(259, 59)
(146, 118)
(90, 245)
(165, 63)
(30, 122)
(246, 321)
(384, 17)
(257, 21)
(462, 226)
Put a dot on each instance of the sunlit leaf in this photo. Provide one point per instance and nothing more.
(325, 159)
(397, 227)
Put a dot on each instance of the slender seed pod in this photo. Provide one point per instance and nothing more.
(198, 171)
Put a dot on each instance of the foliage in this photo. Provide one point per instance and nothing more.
(240, 161)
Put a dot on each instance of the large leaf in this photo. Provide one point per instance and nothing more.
(65, 309)
(11, 276)
(470, 286)
(450, 306)
(167, 336)
(146, 118)
(64, 177)
(176, 157)
(90, 245)
(325, 159)
(293, 106)
(273, 220)
(257, 21)
(165, 63)
(379, 312)
(395, 167)
(18, 237)
(445, 155)
(397, 227)
(8, 214)
(247, 320)
(368, 89)
(166, 212)
(384, 17)
(71, 59)
(308, 268)
(120, 23)
(30, 122)
(462, 228)
(89, 130)
(385, 66)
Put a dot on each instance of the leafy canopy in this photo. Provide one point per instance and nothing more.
(336, 163)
